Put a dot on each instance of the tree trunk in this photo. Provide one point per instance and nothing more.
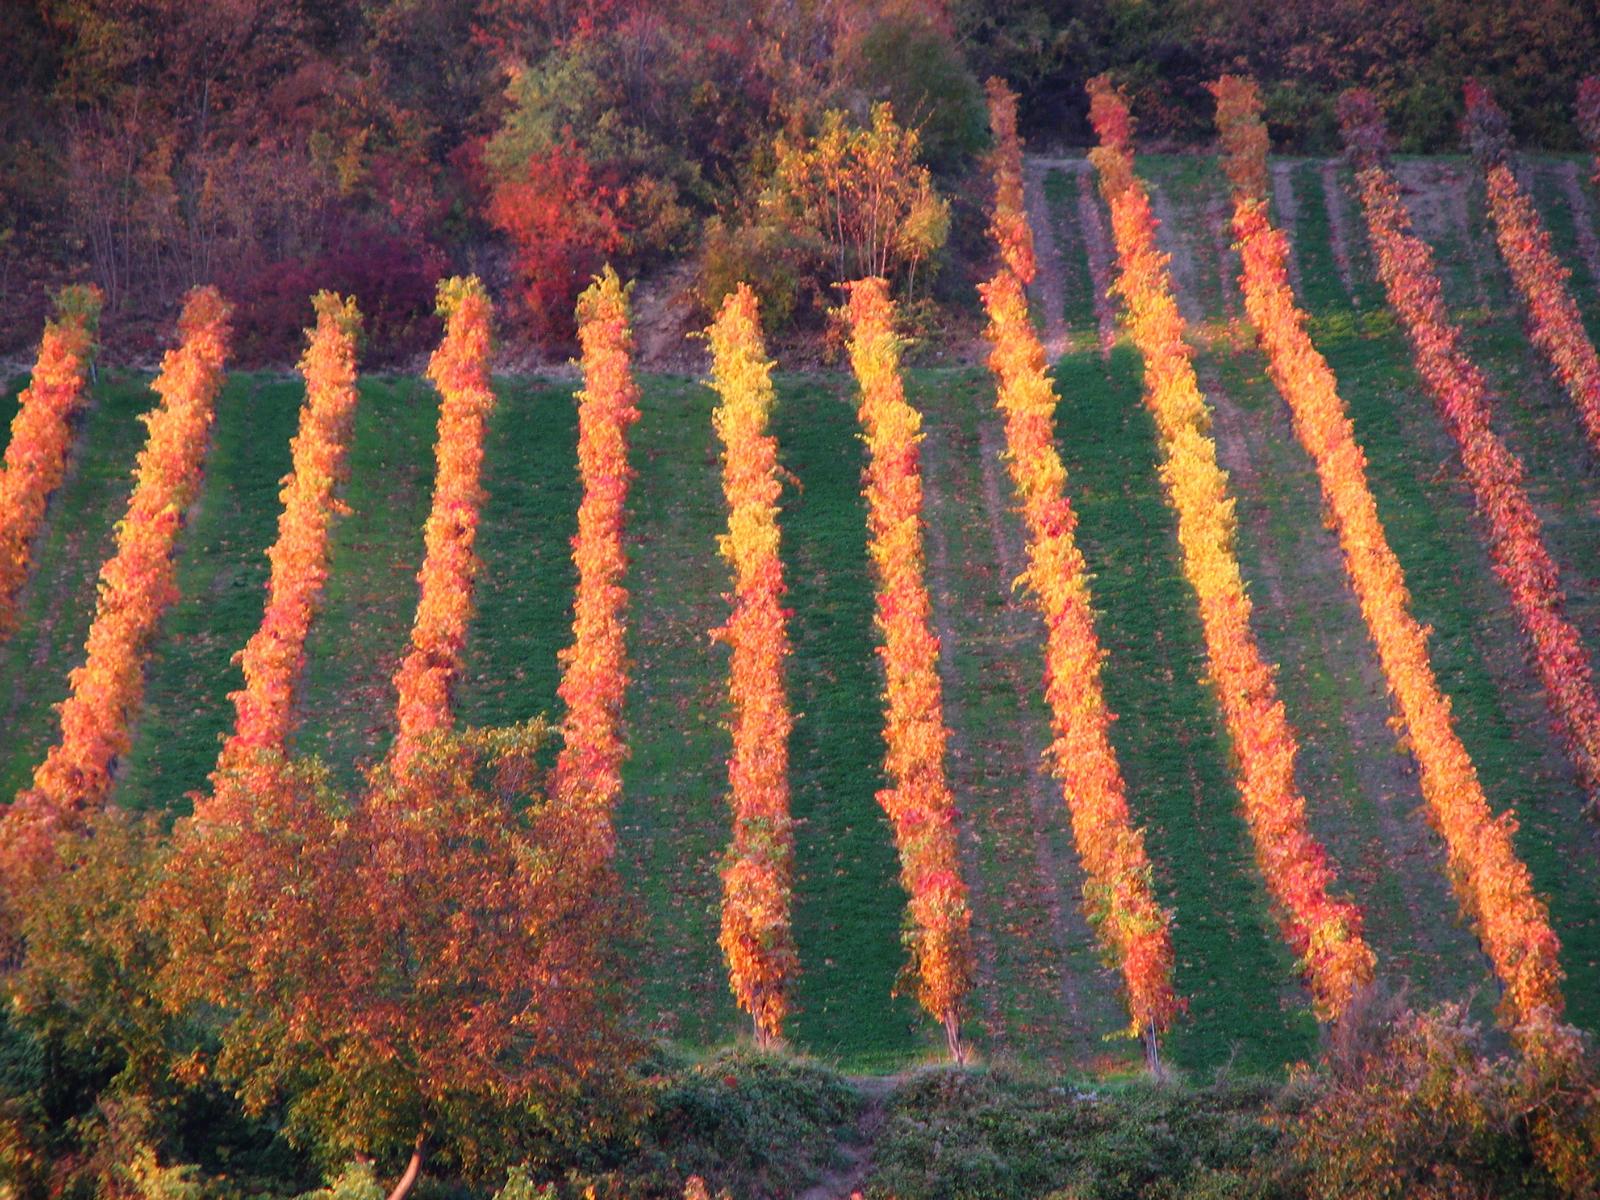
(412, 1171)
(952, 1037)
(1152, 1052)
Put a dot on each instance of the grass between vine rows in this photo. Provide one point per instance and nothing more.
(1045, 995)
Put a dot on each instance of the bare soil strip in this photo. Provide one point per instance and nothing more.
(1049, 285)
(1339, 228)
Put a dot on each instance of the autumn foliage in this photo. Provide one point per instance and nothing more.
(594, 681)
(1493, 885)
(459, 368)
(1516, 540)
(1008, 222)
(275, 656)
(137, 584)
(918, 801)
(401, 968)
(1325, 932)
(1118, 894)
(757, 875)
(1555, 325)
(41, 437)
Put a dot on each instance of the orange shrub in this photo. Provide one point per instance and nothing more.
(1493, 886)
(757, 875)
(1516, 539)
(1554, 322)
(594, 681)
(137, 584)
(275, 656)
(918, 801)
(1325, 932)
(41, 437)
(459, 368)
(1008, 222)
(1117, 892)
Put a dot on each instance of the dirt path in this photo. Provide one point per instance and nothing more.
(1339, 228)
(1288, 214)
(849, 1178)
(1582, 220)
(1049, 283)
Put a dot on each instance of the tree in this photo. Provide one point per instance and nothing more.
(275, 656)
(861, 197)
(421, 969)
(1324, 931)
(137, 584)
(594, 676)
(1118, 890)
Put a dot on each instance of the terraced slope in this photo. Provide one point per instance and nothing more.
(1043, 993)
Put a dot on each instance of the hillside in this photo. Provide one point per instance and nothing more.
(1043, 994)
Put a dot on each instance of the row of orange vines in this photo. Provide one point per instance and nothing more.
(1516, 541)
(137, 584)
(757, 874)
(1325, 932)
(588, 775)
(1008, 223)
(1118, 893)
(1554, 323)
(274, 657)
(919, 802)
(459, 368)
(41, 437)
(1493, 885)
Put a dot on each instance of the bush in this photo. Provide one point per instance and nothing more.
(392, 279)
(975, 1135)
(918, 69)
(763, 256)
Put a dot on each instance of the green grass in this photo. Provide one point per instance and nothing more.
(1244, 1000)
(1046, 996)
(848, 901)
(222, 575)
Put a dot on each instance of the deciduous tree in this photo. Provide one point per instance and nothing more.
(137, 584)
(275, 656)
(1492, 884)
(594, 679)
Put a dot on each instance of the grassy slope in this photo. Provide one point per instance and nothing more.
(1040, 1001)
(1475, 645)
(1231, 965)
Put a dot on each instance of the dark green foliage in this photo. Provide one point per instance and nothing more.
(917, 69)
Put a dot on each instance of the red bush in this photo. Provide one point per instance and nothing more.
(562, 221)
